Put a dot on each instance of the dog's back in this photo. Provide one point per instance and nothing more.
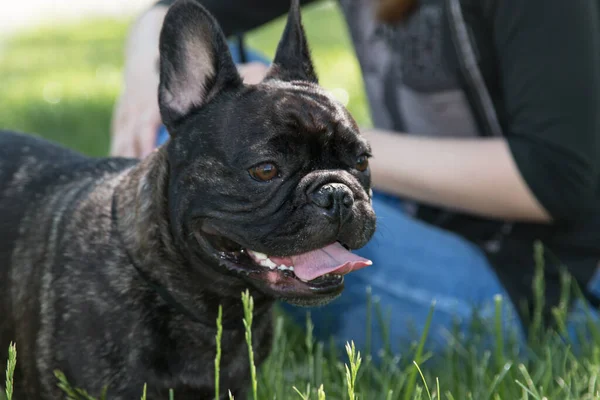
(28, 168)
(38, 181)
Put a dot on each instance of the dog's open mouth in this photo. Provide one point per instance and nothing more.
(317, 272)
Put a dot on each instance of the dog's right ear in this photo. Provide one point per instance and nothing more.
(195, 62)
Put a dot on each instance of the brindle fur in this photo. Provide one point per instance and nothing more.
(70, 295)
(74, 302)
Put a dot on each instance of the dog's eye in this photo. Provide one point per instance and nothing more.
(362, 163)
(263, 172)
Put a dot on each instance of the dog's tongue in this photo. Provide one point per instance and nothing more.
(330, 259)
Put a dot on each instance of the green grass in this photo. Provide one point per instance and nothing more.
(301, 369)
(61, 83)
(10, 370)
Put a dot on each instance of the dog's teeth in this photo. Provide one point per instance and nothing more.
(265, 261)
(268, 263)
(259, 256)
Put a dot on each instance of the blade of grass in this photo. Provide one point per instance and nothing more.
(10, 370)
(248, 303)
(309, 342)
(412, 378)
(500, 360)
(321, 393)
(498, 380)
(369, 333)
(352, 371)
(531, 389)
(304, 396)
(423, 379)
(218, 355)
(538, 291)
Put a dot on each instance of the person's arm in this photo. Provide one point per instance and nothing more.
(136, 116)
(546, 168)
(472, 175)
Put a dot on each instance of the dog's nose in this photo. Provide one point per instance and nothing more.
(335, 198)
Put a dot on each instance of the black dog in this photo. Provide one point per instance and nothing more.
(112, 270)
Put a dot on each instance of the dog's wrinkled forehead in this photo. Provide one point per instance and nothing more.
(312, 108)
(291, 118)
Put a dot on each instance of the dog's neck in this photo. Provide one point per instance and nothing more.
(142, 220)
(141, 210)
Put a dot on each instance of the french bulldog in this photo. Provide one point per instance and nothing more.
(112, 270)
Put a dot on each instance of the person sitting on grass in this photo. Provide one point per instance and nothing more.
(486, 140)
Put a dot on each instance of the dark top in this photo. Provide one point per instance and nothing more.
(540, 62)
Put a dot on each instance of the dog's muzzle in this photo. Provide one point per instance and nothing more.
(335, 199)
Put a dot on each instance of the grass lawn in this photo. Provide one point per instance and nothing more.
(61, 83)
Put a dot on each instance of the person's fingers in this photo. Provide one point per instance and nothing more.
(116, 142)
(134, 127)
(146, 142)
(146, 129)
(146, 137)
(118, 125)
(124, 146)
(123, 138)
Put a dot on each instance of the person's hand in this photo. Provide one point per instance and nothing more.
(136, 117)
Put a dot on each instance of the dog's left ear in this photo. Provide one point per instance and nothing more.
(195, 62)
(292, 60)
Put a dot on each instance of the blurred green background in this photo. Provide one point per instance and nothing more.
(61, 80)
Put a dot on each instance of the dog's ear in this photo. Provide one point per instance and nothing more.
(195, 62)
(292, 60)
